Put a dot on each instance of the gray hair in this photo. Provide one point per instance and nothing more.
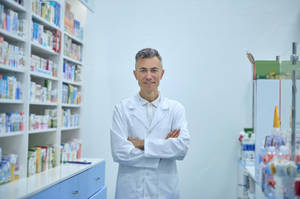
(147, 53)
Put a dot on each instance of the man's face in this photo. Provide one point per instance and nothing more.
(148, 72)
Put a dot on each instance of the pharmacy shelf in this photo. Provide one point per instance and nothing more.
(11, 101)
(13, 5)
(42, 49)
(11, 134)
(44, 22)
(12, 36)
(70, 128)
(77, 40)
(35, 74)
(71, 105)
(42, 130)
(12, 69)
(71, 82)
(44, 103)
(72, 60)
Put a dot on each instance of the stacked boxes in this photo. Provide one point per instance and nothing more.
(72, 49)
(11, 55)
(70, 94)
(46, 121)
(70, 151)
(43, 66)
(11, 21)
(41, 158)
(49, 10)
(72, 72)
(69, 120)
(46, 93)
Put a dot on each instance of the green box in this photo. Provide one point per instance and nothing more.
(264, 67)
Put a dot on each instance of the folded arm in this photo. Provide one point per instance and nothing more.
(123, 151)
(174, 146)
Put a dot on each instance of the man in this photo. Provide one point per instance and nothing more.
(148, 134)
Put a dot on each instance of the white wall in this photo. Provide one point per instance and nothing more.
(203, 45)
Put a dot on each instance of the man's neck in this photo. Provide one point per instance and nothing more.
(150, 97)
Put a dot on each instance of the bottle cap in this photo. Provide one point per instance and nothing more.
(276, 120)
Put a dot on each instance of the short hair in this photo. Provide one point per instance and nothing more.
(147, 53)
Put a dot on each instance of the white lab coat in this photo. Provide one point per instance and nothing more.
(152, 173)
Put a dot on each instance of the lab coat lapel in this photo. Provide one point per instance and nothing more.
(137, 112)
(160, 113)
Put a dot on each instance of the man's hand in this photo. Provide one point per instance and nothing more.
(173, 134)
(137, 143)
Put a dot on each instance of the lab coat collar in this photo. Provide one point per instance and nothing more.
(159, 114)
(143, 101)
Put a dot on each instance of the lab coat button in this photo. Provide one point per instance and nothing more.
(149, 132)
(146, 195)
(147, 173)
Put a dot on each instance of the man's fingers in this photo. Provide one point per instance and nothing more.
(173, 134)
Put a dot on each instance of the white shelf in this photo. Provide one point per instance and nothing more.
(71, 105)
(71, 82)
(11, 35)
(44, 22)
(72, 60)
(12, 134)
(77, 40)
(13, 5)
(70, 128)
(43, 76)
(12, 69)
(43, 103)
(11, 101)
(42, 49)
(42, 130)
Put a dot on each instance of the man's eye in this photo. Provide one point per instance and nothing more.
(154, 70)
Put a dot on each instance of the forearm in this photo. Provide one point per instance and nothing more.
(175, 148)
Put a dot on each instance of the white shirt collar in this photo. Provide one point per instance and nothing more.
(155, 103)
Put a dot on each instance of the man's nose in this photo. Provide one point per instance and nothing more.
(148, 75)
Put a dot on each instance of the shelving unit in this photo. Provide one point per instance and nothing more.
(19, 142)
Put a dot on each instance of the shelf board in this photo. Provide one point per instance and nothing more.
(11, 134)
(35, 74)
(12, 36)
(70, 128)
(44, 22)
(42, 130)
(71, 105)
(11, 101)
(13, 5)
(12, 69)
(42, 49)
(72, 60)
(77, 40)
(43, 103)
(71, 82)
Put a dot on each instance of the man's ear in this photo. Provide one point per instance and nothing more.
(162, 73)
(134, 73)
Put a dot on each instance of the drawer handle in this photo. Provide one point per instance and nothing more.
(75, 192)
(98, 178)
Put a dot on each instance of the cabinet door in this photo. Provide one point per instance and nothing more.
(69, 188)
(52, 192)
(100, 194)
(96, 178)
(82, 184)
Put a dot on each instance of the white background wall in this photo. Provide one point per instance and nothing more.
(203, 45)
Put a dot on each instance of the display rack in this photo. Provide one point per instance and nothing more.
(19, 142)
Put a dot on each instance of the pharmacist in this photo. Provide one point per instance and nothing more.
(148, 135)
